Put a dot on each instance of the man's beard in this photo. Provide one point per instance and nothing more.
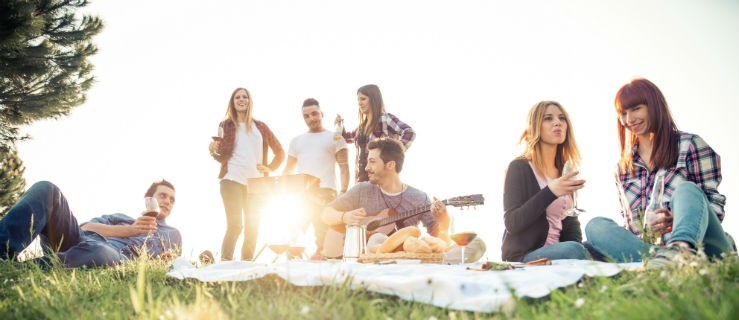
(373, 178)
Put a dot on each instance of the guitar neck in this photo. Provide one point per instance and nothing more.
(404, 215)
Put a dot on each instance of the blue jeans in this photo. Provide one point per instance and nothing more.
(237, 208)
(556, 251)
(43, 211)
(693, 222)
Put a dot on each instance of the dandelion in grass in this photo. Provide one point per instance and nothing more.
(305, 310)
(703, 272)
(509, 307)
(579, 302)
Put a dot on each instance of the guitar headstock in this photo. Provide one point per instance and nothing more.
(465, 201)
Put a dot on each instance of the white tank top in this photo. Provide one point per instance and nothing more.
(246, 155)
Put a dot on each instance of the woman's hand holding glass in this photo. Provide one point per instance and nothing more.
(216, 143)
(339, 120)
(566, 184)
(213, 147)
(662, 223)
(568, 169)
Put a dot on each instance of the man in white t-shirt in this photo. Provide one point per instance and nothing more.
(317, 153)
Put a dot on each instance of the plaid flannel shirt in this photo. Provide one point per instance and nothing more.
(391, 127)
(696, 162)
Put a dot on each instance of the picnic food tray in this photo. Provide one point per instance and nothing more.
(380, 257)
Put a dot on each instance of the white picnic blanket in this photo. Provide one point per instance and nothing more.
(448, 286)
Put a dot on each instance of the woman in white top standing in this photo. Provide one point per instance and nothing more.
(243, 154)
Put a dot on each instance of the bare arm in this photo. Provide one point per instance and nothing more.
(142, 225)
(290, 165)
(331, 216)
(441, 215)
(342, 158)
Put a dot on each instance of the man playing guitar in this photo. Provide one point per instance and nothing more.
(384, 190)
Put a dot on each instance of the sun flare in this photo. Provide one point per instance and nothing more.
(282, 222)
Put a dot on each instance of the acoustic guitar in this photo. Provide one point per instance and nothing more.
(384, 222)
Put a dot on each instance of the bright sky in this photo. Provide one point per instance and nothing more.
(463, 74)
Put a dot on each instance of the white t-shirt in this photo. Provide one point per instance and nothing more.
(316, 154)
(246, 155)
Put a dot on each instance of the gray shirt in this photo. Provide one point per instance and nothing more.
(370, 197)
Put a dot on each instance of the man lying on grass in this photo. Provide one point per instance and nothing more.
(103, 241)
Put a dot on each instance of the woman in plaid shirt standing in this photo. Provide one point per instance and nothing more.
(374, 122)
(651, 145)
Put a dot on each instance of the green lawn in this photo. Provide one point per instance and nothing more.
(698, 290)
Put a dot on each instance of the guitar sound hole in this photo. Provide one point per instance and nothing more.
(372, 225)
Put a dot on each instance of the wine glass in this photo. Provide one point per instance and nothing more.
(462, 239)
(295, 252)
(568, 168)
(152, 207)
(278, 249)
(219, 137)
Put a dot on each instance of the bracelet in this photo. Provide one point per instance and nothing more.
(342, 216)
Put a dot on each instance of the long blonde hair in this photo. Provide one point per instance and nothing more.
(232, 114)
(532, 138)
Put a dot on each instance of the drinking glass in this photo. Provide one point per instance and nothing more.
(295, 252)
(152, 207)
(462, 239)
(219, 137)
(655, 203)
(278, 249)
(574, 211)
(338, 128)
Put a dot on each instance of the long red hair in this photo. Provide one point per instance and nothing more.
(664, 133)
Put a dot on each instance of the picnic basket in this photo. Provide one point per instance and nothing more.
(380, 257)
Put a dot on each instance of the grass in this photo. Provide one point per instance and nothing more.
(696, 290)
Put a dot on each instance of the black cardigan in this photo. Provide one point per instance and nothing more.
(525, 217)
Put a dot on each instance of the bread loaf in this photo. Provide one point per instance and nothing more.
(374, 248)
(436, 244)
(398, 238)
(376, 239)
(413, 245)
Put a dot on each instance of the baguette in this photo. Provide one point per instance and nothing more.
(397, 239)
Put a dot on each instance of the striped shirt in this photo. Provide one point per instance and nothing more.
(696, 162)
